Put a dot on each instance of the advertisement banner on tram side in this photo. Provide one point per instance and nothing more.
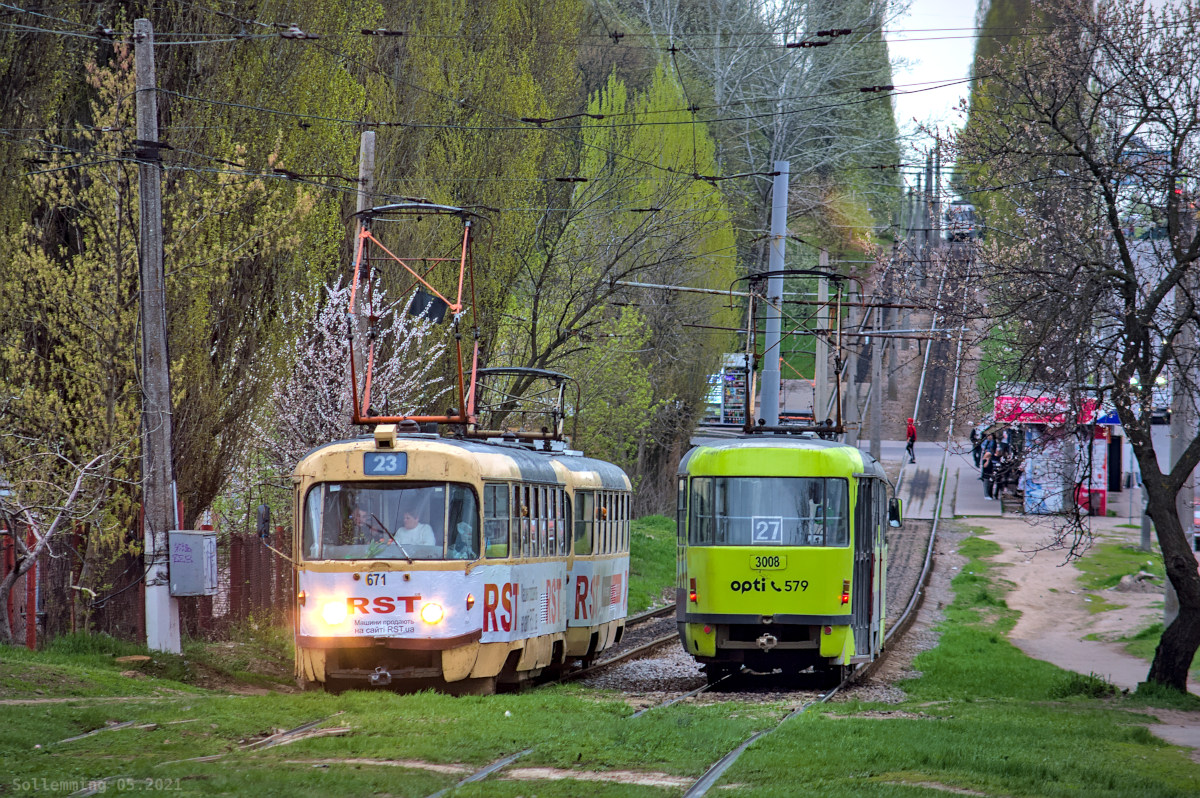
(600, 591)
(520, 601)
(511, 602)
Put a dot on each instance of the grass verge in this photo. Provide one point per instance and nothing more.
(981, 717)
(651, 561)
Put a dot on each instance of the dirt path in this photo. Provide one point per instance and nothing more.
(1055, 618)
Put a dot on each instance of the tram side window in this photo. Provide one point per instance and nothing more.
(700, 530)
(543, 516)
(495, 520)
(584, 507)
(520, 514)
(624, 522)
(525, 502)
(681, 511)
(603, 499)
(462, 536)
(558, 542)
(567, 519)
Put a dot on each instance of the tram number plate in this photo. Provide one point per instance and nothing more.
(386, 464)
(768, 562)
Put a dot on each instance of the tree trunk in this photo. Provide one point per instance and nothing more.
(1181, 639)
(6, 587)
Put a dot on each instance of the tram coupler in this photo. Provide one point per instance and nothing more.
(767, 642)
(380, 678)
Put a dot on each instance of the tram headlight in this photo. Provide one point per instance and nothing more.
(432, 613)
(334, 612)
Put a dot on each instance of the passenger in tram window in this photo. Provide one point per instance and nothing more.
(414, 532)
(527, 540)
(602, 528)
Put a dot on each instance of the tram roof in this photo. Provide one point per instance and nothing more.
(777, 455)
(532, 465)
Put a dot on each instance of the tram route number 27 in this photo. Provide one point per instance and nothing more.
(766, 529)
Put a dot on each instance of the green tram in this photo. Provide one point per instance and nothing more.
(782, 556)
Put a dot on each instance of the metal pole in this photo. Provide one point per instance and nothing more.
(821, 357)
(769, 401)
(851, 419)
(877, 399)
(158, 510)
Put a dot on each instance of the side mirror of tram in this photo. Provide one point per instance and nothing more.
(895, 516)
(262, 521)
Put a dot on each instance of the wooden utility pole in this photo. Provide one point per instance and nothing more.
(158, 482)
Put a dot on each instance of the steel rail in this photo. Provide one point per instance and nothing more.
(714, 773)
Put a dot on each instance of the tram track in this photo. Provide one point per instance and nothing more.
(896, 628)
(714, 773)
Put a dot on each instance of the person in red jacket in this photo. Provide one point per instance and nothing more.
(911, 433)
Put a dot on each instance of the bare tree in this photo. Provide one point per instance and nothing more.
(310, 404)
(1089, 147)
(38, 508)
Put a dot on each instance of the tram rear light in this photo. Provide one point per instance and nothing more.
(707, 629)
(334, 612)
(846, 591)
(432, 613)
(828, 630)
(470, 601)
(692, 590)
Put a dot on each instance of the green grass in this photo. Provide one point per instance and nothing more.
(1105, 563)
(651, 561)
(981, 716)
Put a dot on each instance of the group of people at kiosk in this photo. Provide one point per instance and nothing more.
(997, 455)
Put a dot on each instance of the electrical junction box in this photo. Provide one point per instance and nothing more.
(193, 562)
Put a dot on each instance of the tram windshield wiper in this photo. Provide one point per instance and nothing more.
(388, 532)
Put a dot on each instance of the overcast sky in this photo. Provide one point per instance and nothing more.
(932, 43)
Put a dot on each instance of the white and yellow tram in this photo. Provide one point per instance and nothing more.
(459, 564)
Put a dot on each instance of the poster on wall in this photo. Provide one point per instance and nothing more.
(1043, 480)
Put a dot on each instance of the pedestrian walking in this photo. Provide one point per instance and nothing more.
(911, 433)
(976, 445)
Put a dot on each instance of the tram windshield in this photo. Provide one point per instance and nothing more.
(390, 521)
(769, 511)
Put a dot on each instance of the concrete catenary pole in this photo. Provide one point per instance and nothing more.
(366, 199)
(769, 400)
(821, 355)
(1183, 408)
(158, 494)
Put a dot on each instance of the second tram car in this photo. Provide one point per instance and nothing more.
(782, 555)
(441, 562)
